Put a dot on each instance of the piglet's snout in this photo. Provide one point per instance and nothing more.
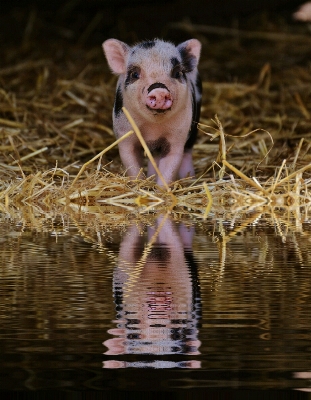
(159, 97)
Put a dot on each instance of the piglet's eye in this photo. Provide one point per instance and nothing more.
(135, 74)
(177, 73)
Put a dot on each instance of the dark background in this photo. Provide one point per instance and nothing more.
(130, 20)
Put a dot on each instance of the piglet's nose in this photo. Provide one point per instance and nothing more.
(159, 99)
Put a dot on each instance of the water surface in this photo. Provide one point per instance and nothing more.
(167, 305)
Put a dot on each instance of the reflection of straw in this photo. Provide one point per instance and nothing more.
(287, 178)
(210, 200)
(145, 147)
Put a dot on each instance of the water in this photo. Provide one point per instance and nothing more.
(177, 305)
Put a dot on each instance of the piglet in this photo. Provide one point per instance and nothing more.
(160, 86)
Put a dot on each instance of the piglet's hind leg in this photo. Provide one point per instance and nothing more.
(186, 168)
(169, 167)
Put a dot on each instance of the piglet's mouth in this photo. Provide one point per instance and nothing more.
(158, 111)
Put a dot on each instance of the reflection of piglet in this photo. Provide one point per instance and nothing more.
(157, 295)
(160, 86)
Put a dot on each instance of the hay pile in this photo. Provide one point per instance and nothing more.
(253, 152)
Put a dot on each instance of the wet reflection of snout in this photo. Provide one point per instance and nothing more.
(156, 292)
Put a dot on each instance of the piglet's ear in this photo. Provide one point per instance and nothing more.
(116, 53)
(191, 49)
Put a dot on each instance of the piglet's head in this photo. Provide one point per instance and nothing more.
(154, 75)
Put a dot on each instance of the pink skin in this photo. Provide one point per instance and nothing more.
(137, 275)
(303, 13)
(116, 364)
(186, 167)
(172, 95)
(176, 163)
(159, 99)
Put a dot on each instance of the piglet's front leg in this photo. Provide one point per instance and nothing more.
(132, 158)
(151, 169)
(169, 165)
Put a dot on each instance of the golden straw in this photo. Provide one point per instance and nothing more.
(100, 154)
(244, 177)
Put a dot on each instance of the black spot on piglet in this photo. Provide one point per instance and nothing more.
(198, 83)
(118, 102)
(156, 86)
(196, 109)
(188, 60)
(133, 73)
(175, 62)
(148, 44)
(159, 147)
(178, 70)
